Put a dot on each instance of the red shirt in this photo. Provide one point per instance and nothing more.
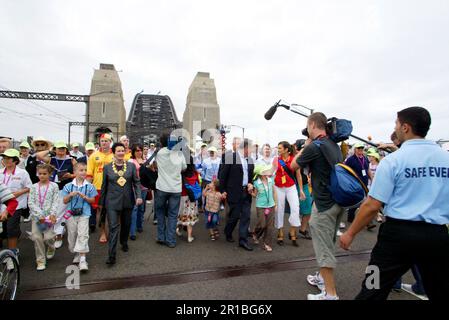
(189, 180)
(282, 179)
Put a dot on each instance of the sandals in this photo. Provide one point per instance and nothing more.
(103, 240)
(255, 239)
(213, 237)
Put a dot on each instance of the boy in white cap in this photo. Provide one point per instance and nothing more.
(24, 154)
(76, 151)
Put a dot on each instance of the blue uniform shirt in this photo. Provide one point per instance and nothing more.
(413, 183)
(77, 202)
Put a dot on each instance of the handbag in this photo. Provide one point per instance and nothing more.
(148, 176)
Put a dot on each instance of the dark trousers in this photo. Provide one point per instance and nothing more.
(402, 244)
(125, 222)
(239, 211)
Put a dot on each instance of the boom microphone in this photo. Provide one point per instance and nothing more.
(270, 113)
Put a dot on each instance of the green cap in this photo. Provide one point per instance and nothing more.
(90, 146)
(25, 144)
(359, 145)
(76, 144)
(263, 169)
(11, 153)
(374, 154)
(60, 144)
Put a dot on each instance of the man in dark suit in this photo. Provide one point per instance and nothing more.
(236, 177)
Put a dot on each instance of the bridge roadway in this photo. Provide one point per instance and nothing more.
(203, 269)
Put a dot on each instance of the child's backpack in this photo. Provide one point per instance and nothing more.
(194, 191)
(347, 190)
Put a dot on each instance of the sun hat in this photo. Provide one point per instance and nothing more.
(212, 149)
(263, 170)
(41, 139)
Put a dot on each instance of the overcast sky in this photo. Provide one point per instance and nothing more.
(360, 60)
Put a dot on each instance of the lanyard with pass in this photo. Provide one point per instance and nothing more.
(6, 182)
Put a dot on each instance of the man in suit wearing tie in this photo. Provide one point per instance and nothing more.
(236, 177)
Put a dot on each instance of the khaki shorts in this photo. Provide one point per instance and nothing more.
(323, 229)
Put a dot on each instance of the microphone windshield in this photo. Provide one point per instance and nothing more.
(270, 113)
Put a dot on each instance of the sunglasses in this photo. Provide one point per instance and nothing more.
(40, 144)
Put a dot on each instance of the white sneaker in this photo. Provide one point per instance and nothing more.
(339, 233)
(190, 239)
(316, 281)
(50, 253)
(342, 225)
(26, 220)
(408, 288)
(40, 267)
(178, 232)
(9, 264)
(83, 265)
(76, 260)
(58, 244)
(322, 296)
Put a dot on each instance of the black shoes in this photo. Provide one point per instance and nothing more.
(305, 235)
(110, 261)
(133, 238)
(125, 248)
(229, 239)
(246, 246)
(92, 228)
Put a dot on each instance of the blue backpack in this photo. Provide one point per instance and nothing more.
(347, 190)
(193, 191)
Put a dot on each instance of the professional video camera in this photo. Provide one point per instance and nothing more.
(337, 129)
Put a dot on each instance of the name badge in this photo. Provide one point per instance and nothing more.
(364, 173)
(283, 180)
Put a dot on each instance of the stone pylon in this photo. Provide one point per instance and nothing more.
(106, 104)
(202, 110)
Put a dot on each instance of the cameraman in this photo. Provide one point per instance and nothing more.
(326, 214)
(170, 163)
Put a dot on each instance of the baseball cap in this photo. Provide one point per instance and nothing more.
(25, 144)
(76, 144)
(90, 146)
(11, 153)
(60, 144)
(359, 145)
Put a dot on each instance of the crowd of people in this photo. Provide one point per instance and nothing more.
(61, 190)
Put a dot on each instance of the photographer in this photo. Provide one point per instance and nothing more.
(170, 164)
(326, 214)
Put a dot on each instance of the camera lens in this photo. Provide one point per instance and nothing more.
(305, 132)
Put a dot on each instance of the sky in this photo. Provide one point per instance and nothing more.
(358, 60)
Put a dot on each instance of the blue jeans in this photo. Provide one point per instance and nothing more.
(137, 215)
(167, 209)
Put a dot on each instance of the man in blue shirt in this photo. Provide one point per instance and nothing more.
(360, 164)
(413, 184)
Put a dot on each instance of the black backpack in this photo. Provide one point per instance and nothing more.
(148, 177)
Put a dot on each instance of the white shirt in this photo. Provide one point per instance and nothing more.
(169, 166)
(17, 180)
(244, 163)
(267, 162)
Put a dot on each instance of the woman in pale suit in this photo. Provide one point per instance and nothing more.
(120, 192)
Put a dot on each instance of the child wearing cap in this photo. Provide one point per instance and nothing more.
(265, 205)
(24, 154)
(19, 182)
